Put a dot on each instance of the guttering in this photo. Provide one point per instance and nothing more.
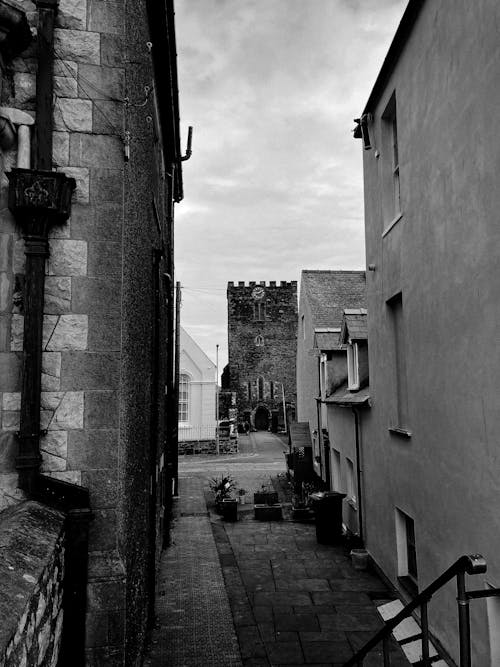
(403, 32)
(357, 429)
(161, 17)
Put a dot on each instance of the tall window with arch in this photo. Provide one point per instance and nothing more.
(259, 340)
(259, 311)
(249, 390)
(271, 390)
(184, 397)
(261, 389)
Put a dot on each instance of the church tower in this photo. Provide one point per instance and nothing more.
(262, 336)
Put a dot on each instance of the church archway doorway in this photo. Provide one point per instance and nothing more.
(262, 418)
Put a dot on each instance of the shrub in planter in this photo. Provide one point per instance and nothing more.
(222, 488)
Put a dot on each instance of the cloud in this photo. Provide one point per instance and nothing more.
(275, 181)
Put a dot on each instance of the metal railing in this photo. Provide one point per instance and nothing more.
(473, 564)
(196, 433)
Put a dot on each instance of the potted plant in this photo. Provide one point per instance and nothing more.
(301, 510)
(266, 505)
(265, 496)
(242, 493)
(222, 488)
(229, 509)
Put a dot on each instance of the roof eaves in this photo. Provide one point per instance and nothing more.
(399, 41)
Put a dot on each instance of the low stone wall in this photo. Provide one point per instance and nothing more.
(226, 446)
(31, 575)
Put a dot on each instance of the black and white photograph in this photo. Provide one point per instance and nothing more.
(249, 348)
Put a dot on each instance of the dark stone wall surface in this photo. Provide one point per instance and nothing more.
(105, 317)
(146, 246)
(262, 348)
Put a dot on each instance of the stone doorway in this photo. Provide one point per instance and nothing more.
(261, 419)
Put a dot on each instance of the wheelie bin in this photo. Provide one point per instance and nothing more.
(327, 506)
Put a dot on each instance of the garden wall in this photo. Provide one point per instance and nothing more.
(31, 576)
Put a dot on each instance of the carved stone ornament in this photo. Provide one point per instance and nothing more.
(35, 193)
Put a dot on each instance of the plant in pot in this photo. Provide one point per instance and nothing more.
(301, 509)
(222, 488)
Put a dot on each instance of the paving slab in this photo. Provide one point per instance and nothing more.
(256, 593)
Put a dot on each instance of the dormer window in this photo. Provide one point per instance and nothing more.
(352, 366)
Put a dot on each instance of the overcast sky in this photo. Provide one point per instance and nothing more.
(274, 184)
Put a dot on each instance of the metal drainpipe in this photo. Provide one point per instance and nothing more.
(37, 198)
(359, 475)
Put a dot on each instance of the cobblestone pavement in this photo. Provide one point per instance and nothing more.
(257, 593)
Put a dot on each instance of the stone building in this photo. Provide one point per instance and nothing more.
(95, 436)
(432, 198)
(262, 336)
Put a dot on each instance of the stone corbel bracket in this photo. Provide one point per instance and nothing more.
(15, 33)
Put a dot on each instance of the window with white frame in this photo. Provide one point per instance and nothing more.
(350, 485)
(184, 381)
(352, 366)
(323, 375)
(259, 340)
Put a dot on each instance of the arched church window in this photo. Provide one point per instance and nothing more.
(184, 381)
(261, 388)
(259, 311)
(259, 340)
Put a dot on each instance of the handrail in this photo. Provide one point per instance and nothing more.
(472, 564)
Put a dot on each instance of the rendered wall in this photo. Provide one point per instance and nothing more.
(443, 256)
(342, 434)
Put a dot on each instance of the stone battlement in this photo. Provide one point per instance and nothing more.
(263, 283)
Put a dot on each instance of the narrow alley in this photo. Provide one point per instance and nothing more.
(256, 593)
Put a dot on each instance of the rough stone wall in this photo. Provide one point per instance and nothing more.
(31, 570)
(141, 403)
(98, 360)
(272, 357)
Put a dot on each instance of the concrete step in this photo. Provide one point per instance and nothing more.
(408, 635)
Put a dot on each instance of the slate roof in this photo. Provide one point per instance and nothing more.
(300, 435)
(330, 292)
(342, 396)
(354, 325)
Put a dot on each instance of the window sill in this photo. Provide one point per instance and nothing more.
(401, 432)
(409, 585)
(392, 224)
